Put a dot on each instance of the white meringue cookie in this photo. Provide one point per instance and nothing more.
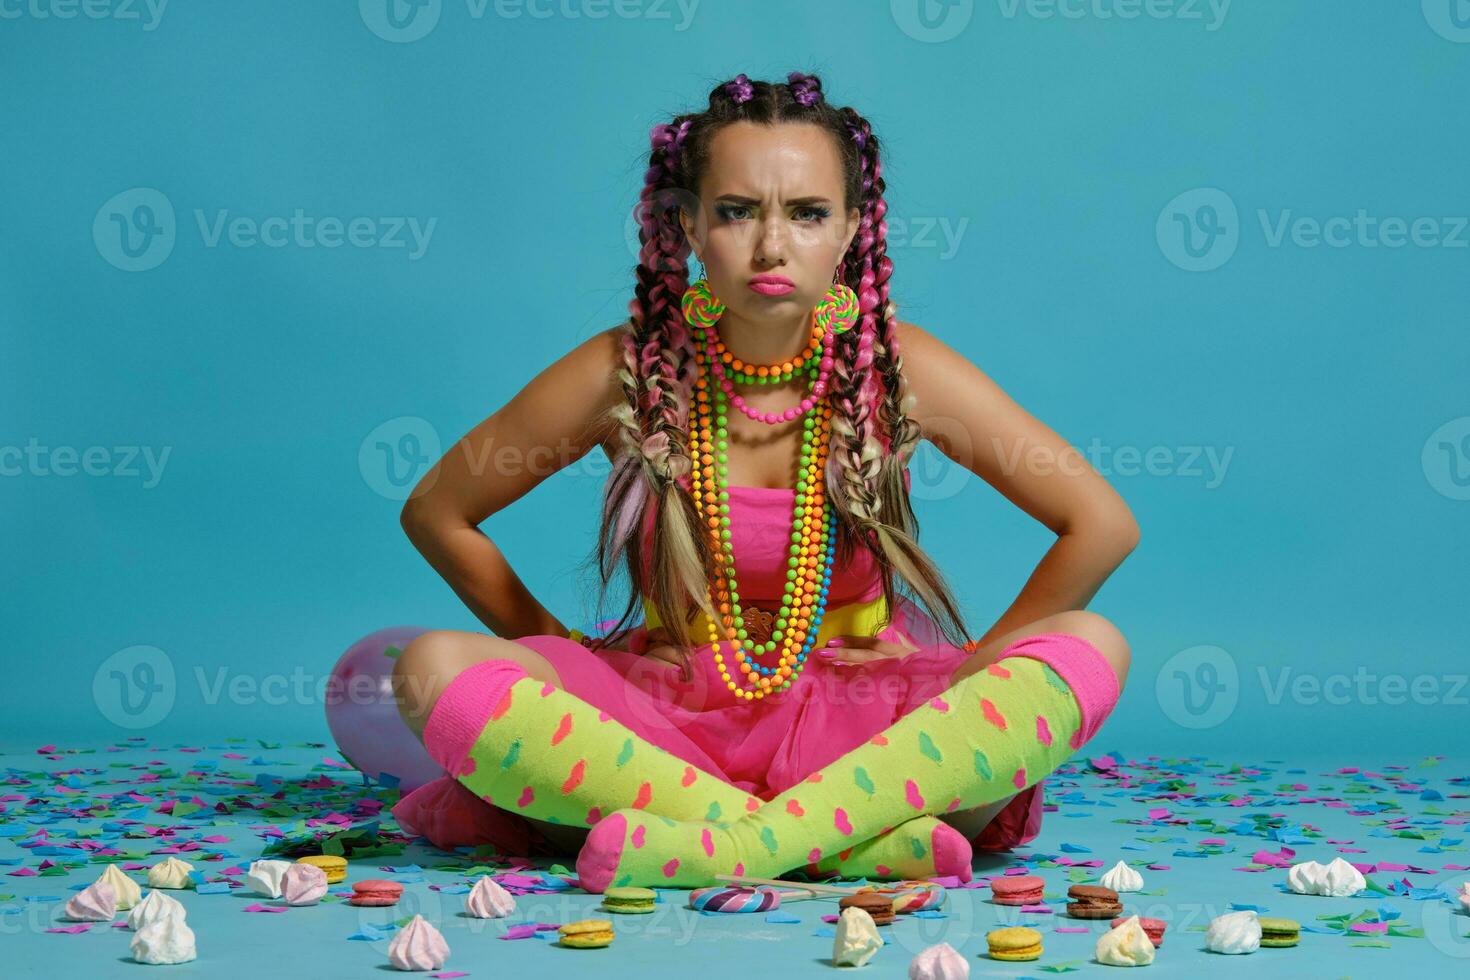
(1464, 895)
(487, 900)
(856, 939)
(1234, 932)
(264, 877)
(1125, 945)
(418, 946)
(154, 906)
(170, 873)
(1121, 878)
(939, 962)
(1337, 880)
(95, 903)
(124, 889)
(169, 940)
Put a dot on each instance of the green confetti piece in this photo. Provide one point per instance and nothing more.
(1408, 932)
(1372, 943)
(1066, 967)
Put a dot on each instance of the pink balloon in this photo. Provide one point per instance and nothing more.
(364, 718)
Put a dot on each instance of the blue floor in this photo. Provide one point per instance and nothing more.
(1198, 821)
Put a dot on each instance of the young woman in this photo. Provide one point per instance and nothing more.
(802, 691)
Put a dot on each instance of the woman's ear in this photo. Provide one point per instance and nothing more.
(690, 225)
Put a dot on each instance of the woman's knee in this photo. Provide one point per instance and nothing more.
(430, 661)
(1100, 632)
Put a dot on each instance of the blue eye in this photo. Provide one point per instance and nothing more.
(727, 212)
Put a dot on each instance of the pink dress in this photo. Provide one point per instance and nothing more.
(761, 746)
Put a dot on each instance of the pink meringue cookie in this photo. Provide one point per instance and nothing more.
(939, 962)
(1464, 895)
(95, 903)
(418, 946)
(303, 884)
(487, 900)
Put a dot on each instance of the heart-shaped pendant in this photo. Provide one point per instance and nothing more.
(758, 624)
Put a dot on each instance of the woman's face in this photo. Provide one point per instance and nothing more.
(771, 204)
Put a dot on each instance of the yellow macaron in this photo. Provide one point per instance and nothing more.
(587, 933)
(335, 867)
(1014, 943)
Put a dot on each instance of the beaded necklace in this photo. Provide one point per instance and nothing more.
(751, 632)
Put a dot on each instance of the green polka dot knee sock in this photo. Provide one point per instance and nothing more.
(994, 733)
(531, 748)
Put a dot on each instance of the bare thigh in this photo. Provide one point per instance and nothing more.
(430, 661)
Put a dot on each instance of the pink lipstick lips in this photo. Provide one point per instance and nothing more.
(772, 285)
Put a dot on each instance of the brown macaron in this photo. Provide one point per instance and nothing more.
(1093, 902)
(880, 907)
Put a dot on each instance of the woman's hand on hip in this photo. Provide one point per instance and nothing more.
(854, 651)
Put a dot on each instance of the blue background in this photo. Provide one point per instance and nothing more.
(1054, 147)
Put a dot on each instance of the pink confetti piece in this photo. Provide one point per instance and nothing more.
(449, 976)
(72, 930)
(1158, 867)
(1158, 813)
(519, 932)
(257, 907)
(1038, 909)
(1072, 929)
(1368, 927)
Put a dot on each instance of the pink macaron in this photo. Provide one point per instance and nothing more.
(1016, 890)
(375, 891)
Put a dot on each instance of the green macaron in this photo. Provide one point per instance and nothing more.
(629, 901)
(1279, 932)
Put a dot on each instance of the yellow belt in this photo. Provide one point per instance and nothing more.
(850, 619)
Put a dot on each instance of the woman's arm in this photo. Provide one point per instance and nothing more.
(973, 422)
(550, 424)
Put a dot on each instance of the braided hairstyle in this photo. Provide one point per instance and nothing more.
(872, 437)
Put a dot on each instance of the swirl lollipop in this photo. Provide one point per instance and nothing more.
(839, 311)
(912, 896)
(734, 898)
(701, 308)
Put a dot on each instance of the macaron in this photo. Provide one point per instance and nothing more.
(1153, 928)
(1016, 890)
(1278, 932)
(587, 934)
(1093, 902)
(629, 901)
(334, 866)
(375, 891)
(880, 907)
(1014, 943)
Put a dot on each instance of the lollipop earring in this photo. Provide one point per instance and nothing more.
(838, 310)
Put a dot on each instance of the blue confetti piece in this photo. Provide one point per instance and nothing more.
(197, 877)
(409, 879)
(43, 898)
(213, 888)
(1430, 794)
(1068, 848)
(929, 914)
(389, 780)
(454, 889)
(405, 869)
(367, 932)
(8, 861)
(782, 917)
(1246, 906)
(1133, 847)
